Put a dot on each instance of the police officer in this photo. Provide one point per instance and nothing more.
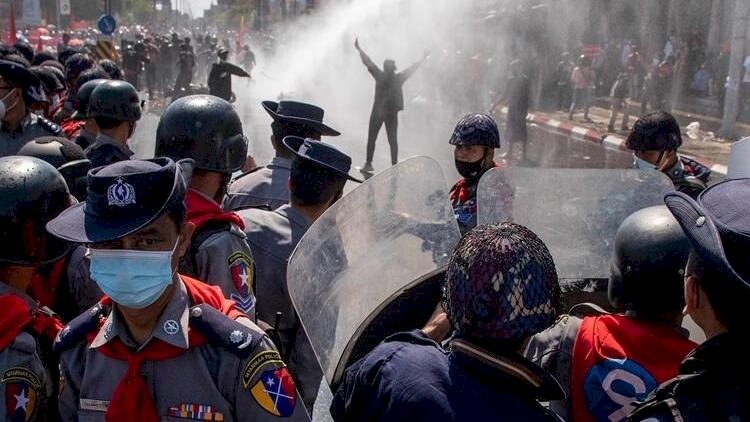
(500, 288)
(116, 108)
(87, 135)
(318, 175)
(607, 361)
(654, 141)
(712, 383)
(160, 345)
(475, 138)
(220, 77)
(19, 89)
(33, 193)
(208, 130)
(267, 186)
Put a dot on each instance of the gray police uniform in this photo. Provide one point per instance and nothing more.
(233, 377)
(272, 236)
(25, 383)
(106, 150)
(265, 187)
(224, 259)
(32, 126)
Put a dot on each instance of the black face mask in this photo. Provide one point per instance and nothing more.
(470, 170)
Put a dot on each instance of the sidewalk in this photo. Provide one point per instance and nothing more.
(711, 153)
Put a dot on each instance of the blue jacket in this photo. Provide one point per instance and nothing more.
(411, 378)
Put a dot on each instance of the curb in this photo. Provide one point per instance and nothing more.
(593, 135)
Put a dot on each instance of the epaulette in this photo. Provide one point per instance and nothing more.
(81, 325)
(246, 173)
(50, 126)
(224, 331)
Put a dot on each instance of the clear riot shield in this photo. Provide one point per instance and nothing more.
(738, 163)
(576, 212)
(370, 266)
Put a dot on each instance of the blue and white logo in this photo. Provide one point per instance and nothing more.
(611, 386)
(120, 193)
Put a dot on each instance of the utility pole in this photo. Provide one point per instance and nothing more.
(731, 101)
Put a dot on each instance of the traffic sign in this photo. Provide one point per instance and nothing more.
(107, 24)
(65, 7)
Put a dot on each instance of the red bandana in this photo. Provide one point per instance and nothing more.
(131, 400)
(71, 128)
(201, 210)
(15, 316)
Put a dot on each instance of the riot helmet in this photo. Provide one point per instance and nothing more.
(117, 100)
(476, 129)
(66, 156)
(205, 128)
(657, 131)
(33, 193)
(648, 263)
(82, 98)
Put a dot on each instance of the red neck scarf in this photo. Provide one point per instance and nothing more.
(16, 315)
(131, 400)
(462, 190)
(201, 210)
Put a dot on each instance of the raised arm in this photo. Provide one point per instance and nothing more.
(236, 70)
(406, 74)
(371, 66)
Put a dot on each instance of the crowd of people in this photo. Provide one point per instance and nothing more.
(156, 289)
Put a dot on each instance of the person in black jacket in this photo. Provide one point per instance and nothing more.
(220, 77)
(389, 100)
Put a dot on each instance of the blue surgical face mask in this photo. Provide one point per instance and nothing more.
(131, 278)
(642, 164)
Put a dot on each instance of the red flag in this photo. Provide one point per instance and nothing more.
(12, 35)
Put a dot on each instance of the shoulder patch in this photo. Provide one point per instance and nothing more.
(275, 392)
(22, 393)
(224, 331)
(258, 362)
(77, 329)
(242, 268)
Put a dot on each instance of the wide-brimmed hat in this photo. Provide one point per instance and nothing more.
(300, 113)
(123, 198)
(718, 227)
(321, 153)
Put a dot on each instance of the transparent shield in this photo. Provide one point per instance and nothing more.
(576, 212)
(368, 248)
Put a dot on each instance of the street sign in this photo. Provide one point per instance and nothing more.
(65, 7)
(107, 24)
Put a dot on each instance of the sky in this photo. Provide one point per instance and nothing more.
(196, 6)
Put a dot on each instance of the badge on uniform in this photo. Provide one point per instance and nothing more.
(275, 392)
(243, 273)
(121, 193)
(21, 393)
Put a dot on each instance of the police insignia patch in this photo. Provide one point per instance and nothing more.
(120, 193)
(21, 393)
(257, 362)
(275, 392)
(242, 269)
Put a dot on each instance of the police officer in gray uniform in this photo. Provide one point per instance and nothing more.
(267, 186)
(33, 193)
(208, 130)
(159, 345)
(18, 89)
(318, 175)
(116, 108)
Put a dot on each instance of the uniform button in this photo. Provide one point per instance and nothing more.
(700, 221)
(196, 312)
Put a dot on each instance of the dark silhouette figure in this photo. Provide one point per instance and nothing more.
(389, 100)
(220, 77)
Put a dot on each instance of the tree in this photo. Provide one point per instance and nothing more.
(739, 36)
